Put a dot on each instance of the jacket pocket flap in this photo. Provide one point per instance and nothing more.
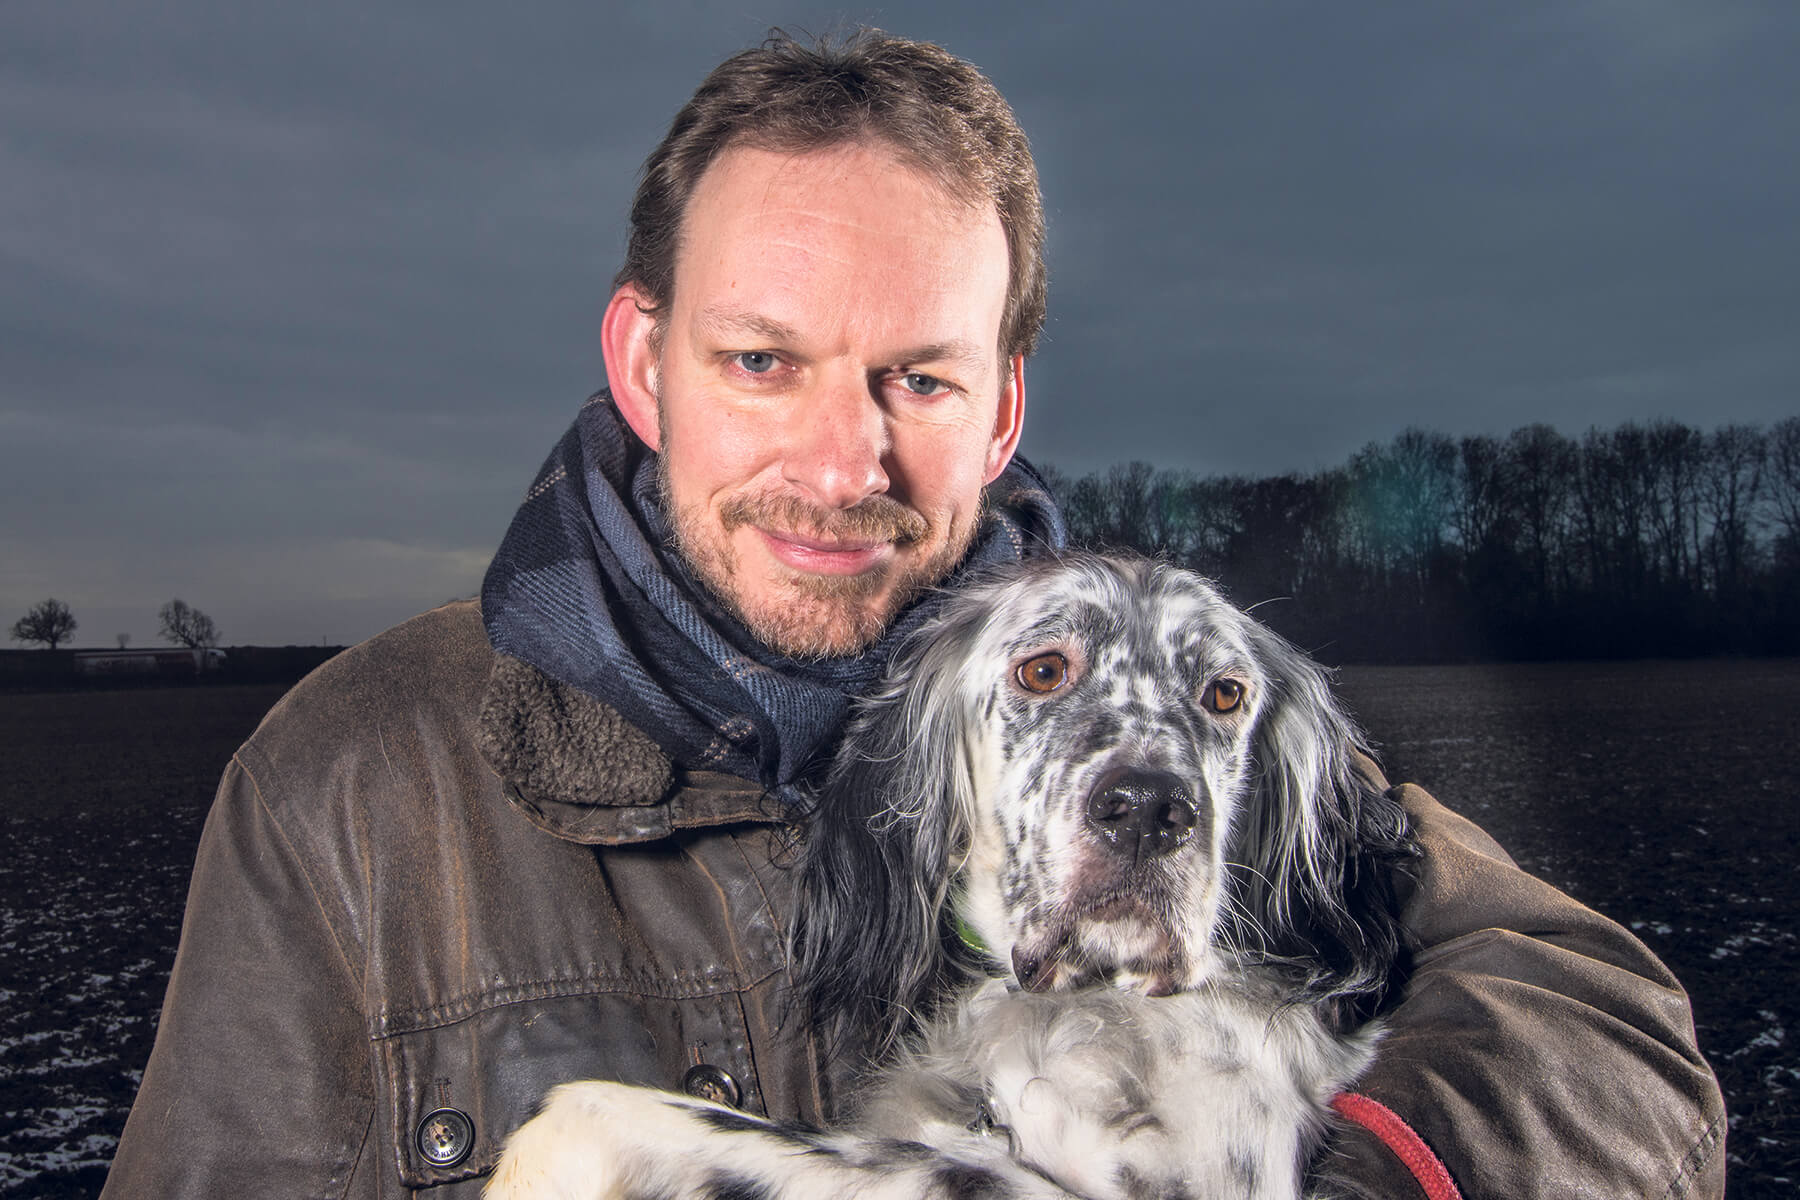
(456, 1091)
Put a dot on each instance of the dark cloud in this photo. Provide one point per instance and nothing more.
(1465, 219)
(299, 295)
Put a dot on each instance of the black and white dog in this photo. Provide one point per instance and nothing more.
(1136, 808)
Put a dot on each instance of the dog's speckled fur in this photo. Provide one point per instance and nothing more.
(1175, 1017)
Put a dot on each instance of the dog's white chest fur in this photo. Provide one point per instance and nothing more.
(1103, 1094)
(1216, 1092)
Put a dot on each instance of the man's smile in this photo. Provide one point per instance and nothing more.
(821, 555)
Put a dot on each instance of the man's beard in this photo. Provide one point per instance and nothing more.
(804, 615)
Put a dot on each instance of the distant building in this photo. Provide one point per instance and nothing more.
(179, 662)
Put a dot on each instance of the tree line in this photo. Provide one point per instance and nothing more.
(1644, 539)
(51, 622)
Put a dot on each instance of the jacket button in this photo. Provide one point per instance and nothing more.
(711, 1083)
(446, 1137)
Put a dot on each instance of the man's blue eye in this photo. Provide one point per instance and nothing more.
(757, 362)
(923, 384)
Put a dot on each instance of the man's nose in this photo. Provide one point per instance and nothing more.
(837, 439)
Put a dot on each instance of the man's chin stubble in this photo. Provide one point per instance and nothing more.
(814, 617)
(811, 617)
(807, 616)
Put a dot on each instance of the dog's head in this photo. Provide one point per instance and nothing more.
(1094, 770)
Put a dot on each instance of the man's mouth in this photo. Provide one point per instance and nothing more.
(825, 555)
(822, 541)
(825, 541)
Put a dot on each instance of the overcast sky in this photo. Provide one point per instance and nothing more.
(295, 297)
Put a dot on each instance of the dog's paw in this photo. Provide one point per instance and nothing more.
(578, 1147)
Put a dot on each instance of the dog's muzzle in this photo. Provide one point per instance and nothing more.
(1141, 814)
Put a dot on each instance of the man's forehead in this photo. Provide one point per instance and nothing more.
(748, 186)
(842, 159)
(847, 241)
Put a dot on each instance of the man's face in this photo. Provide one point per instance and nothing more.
(829, 399)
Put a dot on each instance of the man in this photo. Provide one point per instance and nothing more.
(490, 851)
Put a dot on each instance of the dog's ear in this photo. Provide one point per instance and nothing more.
(1320, 844)
(872, 944)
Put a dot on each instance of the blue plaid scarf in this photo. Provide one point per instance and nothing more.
(587, 587)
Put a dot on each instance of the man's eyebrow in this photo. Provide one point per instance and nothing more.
(956, 350)
(728, 321)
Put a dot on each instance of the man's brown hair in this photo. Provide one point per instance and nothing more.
(937, 112)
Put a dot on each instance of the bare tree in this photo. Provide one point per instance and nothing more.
(1480, 510)
(187, 626)
(1174, 531)
(1406, 498)
(1729, 491)
(1677, 457)
(1084, 508)
(1128, 490)
(1282, 531)
(1613, 490)
(1541, 467)
(1784, 479)
(49, 622)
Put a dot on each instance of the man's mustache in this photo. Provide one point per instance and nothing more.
(876, 518)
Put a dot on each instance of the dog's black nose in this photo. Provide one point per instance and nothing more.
(1142, 813)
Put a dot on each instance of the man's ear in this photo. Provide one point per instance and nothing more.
(1009, 420)
(628, 340)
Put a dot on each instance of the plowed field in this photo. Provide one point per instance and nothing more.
(1663, 794)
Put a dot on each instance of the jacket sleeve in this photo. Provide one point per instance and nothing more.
(1538, 1049)
(260, 1081)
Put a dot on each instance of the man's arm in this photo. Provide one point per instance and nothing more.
(260, 1082)
(1538, 1049)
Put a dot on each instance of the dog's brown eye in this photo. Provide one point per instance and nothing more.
(1224, 695)
(1045, 673)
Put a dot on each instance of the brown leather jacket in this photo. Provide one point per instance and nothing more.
(435, 883)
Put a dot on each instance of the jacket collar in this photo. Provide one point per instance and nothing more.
(579, 770)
